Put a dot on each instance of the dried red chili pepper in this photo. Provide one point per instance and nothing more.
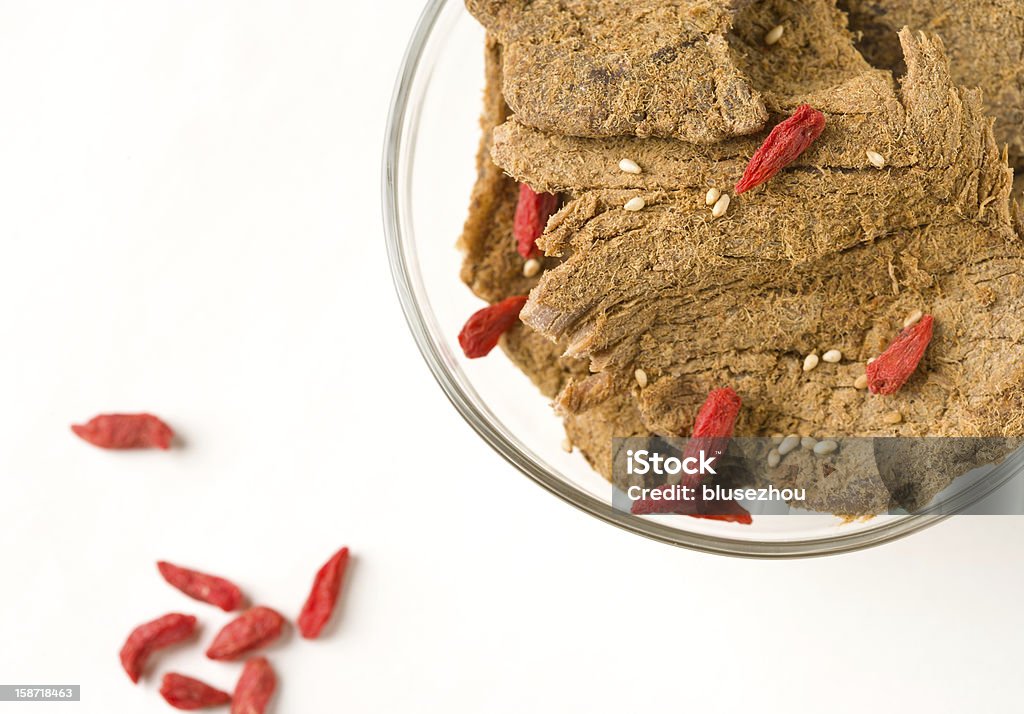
(183, 692)
(712, 429)
(255, 687)
(532, 214)
(485, 327)
(200, 586)
(324, 595)
(254, 628)
(125, 431)
(145, 639)
(894, 367)
(784, 144)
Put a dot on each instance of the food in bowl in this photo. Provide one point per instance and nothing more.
(739, 199)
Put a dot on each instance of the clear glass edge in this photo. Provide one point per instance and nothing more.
(530, 466)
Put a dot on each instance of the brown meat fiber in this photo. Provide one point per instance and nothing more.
(984, 40)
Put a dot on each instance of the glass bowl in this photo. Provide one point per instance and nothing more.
(428, 173)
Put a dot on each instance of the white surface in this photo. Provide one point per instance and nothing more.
(190, 220)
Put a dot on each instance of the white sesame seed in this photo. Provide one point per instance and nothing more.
(892, 418)
(531, 267)
(808, 442)
(635, 204)
(871, 359)
(641, 378)
(876, 159)
(862, 382)
(822, 448)
(810, 362)
(773, 35)
(774, 458)
(712, 196)
(833, 356)
(567, 445)
(721, 206)
(789, 444)
(629, 166)
(777, 438)
(913, 318)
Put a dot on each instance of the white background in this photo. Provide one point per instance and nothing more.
(189, 215)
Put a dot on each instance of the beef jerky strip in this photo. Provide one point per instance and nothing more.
(984, 40)
(611, 67)
(814, 61)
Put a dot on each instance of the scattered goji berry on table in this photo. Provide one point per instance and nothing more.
(485, 327)
(200, 586)
(254, 628)
(532, 213)
(255, 687)
(894, 367)
(784, 144)
(183, 692)
(145, 639)
(322, 597)
(125, 431)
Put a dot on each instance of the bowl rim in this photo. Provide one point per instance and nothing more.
(402, 272)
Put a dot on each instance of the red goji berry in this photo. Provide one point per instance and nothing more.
(254, 628)
(320, 604)
(661, 506)
(145, 639)
(125, 431)
(722, 510)
(784, 144)
(255, 687)
(183, 692)
(532, 213)
(485, 327)
(714, 426)
(200, 586)
(894, 367)
(712, 429)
